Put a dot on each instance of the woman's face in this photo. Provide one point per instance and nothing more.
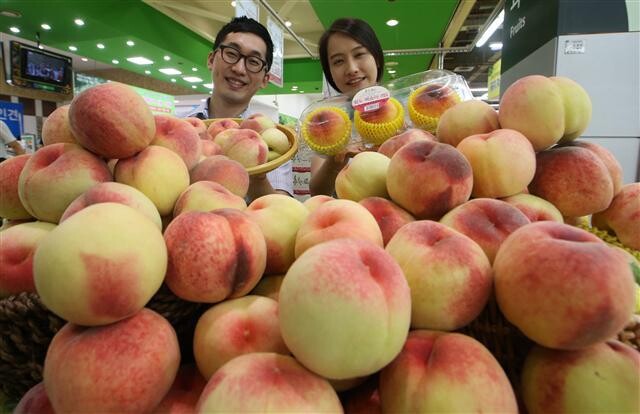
(352, 66)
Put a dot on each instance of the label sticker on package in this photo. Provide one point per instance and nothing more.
(574, 47)
(370, 99)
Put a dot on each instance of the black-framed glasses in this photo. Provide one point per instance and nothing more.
(231, 55)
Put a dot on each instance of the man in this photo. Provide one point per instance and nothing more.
(7, 138)
(239, 64)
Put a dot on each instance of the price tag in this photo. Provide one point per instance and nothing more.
(370, 99)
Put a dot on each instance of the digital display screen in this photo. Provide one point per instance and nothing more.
(44, 67)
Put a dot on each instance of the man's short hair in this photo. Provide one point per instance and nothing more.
(245, 24)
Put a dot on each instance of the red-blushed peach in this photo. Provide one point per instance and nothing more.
(486, 221)
(158, 173)
(219, 125)
(378, 125)
(577, 107)
(219, 168)
(124, 367)
(116, 193)
(429, 178)
(365, 176)
(503, 162)
(314, 202)
(56, 127)
(111, 120)
(614, 167)
(326, 130)
(17, 246)
(439, 372)
(34, 401)
(279, 217)
(184, 392)
(200, 126)
(210, 148)
(207, 196)
(364, 399)
(56, 175)
(345, 308)
(573, 179)
(464, 119)
(603, 378)
(535, 208)
(214, 256)
(336, 219)
(243, 145)
(267, 383)
(623, 216)
(236, 327)
(449, 275)
(427, 103)
(180, 137)
(534, 106)
(393, 144)
(10, 205)
(269, 286)
(258, 122)
(562, 286)
(389, 216)
(101, 265)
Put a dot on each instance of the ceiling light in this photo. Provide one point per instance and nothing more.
(45, 26)
(294, 87)
(167, 57)
(170, 71)
(192, 79)
(14, 29)
(140, 60)
(193, 86)
(115, 61)
(79, 22)
(10, 13)
(392, 63)
(391, 71)
(301, 91)
(40, 47)
(491, 29)
(100, 46)
(288, 23)
(203, 99)
(148, 72)
(392, 22)
(175, 101)
(495, 46)
(130, 43)
(194, 69)
(84, 59)
(73, 48)
(173, 80)
(233, 4)
(208, 85)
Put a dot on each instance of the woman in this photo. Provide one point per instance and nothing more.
(352, 59)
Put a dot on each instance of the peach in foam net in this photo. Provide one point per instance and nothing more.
(378, 126)
(326, 130)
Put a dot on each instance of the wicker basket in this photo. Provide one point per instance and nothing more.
(27, 328)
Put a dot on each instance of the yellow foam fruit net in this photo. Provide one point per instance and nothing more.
(427, 122)
(336, 139)
(378, 132)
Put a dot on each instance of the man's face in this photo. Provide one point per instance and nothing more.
(233, 83)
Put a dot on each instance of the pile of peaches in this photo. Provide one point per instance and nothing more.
(350, 304)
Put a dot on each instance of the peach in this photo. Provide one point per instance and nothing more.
(126, 366)
(116, 193)
(379, 125)
(336, 219)
(535, 208)
(180, 137)
(314, 202)
(326, 130)
(603, 378)
(449, 275)
(393, 144)
(279, 217)
(623, 216)
(427, 103)
(534, 106)
(345, 308)
(214, 256)
(111, 120)
(158, 173)
(440, 372)
(10, 205)
(56, 127)
(578, 293)
(207, 196)
(236, 327)
(577, 107)
(219, 125)
(573, 179)
(503, 162)
(277, 383)
(613, 166)
(243, 145)
(209, 148)
(428, 179)
(364, 399)
(34, 401)
(257, 122)
(365, 176)
(17, 247)
(464, 119)
(486, 221)
(200, 126)
(101, 265)
(269, 286)
(219, 168)
(276, 140)
(389, 216)
(184, 392)
(56, 175)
